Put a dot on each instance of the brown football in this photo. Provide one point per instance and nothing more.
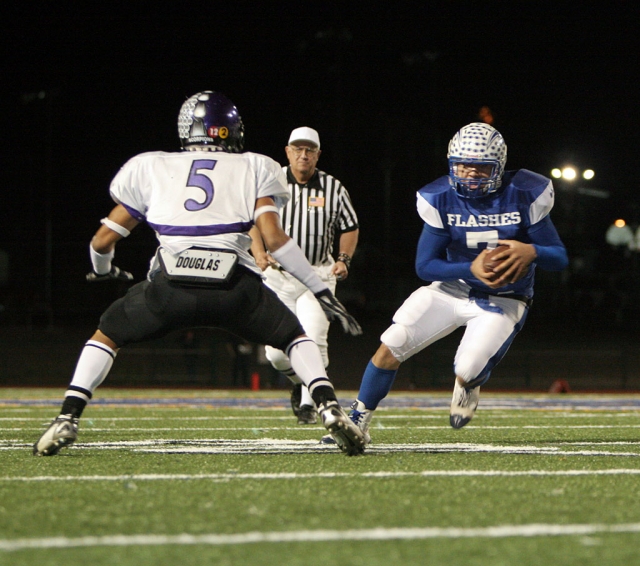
(489, 263)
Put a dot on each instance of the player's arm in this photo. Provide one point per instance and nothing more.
(114, 227)
(260, 254)
(432, 265)
(550, 251)
(546, 249)
(285, 251)
(431, 258)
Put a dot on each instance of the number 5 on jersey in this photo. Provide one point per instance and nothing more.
(197, 179)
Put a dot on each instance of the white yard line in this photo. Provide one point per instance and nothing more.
(376, 534)
(325, 475)
(288, 446)
(374, 427)
(380, 415)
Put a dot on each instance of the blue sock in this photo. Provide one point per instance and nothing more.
(375, 385)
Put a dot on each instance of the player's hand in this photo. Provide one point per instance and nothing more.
(265, 261)
(334, 310)
(489, 278)
(115, 274)
(513, 267)
(516, 265)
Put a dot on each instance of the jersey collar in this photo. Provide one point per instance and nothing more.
(313, 183)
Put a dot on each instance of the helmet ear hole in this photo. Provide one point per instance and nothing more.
(480, 144)
(209, 118)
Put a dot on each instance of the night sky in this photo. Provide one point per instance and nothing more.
(385, 83)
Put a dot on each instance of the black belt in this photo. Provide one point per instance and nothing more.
(482, 295)
(526, 300)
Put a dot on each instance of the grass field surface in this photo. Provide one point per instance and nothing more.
(228, 478)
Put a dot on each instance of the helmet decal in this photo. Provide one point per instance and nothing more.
(209, 118)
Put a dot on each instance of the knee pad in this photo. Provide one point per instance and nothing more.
(395, 336)
(278, 359)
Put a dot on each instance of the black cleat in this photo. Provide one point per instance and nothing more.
(307, 415)
(296, 398)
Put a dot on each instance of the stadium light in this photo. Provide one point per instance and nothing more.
(570, 173)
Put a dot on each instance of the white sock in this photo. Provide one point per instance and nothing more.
(306, 361)
(306, 397)
(93, 365)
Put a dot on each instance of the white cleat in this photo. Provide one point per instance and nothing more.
(342, 430)
(361, 417)
(62, 432)
(463, 405)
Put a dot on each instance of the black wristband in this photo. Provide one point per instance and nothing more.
(344, 258)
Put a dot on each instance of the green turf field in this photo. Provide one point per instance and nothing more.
(229, 478)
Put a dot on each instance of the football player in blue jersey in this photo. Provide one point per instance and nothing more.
(475, 208)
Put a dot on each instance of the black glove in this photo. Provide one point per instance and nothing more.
(115, 273)
(334, 310)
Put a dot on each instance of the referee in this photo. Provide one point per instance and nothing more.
(319, 208)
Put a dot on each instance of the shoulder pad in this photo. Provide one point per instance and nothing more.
(525, 180)
(438, 186)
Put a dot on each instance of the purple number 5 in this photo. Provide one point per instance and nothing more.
(202, 182)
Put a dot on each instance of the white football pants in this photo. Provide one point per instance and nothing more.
(432, 312)
(305, 306)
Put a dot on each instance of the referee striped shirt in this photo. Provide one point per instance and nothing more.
(316, 212)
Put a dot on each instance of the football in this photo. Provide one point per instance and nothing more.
(489, 263)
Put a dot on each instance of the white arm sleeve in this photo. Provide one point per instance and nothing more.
(290, 257)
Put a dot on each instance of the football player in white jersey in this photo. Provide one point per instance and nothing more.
(478, 206)
(202, 202)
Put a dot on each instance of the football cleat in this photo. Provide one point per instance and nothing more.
(307, 415)
(344, 432)
(296, 398)
(463, 405)
(62, 432)
(361, 417)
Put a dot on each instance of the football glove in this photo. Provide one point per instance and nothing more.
(334, 310)
(115, 273)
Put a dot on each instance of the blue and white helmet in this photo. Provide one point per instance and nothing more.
(481, 144)
(209, 118)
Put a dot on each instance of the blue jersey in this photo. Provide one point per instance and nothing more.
(457, 229)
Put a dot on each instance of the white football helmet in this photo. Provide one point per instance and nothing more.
(480, 144)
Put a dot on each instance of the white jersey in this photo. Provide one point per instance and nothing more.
(199, 198)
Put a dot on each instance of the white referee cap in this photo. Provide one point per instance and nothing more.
(305, 134)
